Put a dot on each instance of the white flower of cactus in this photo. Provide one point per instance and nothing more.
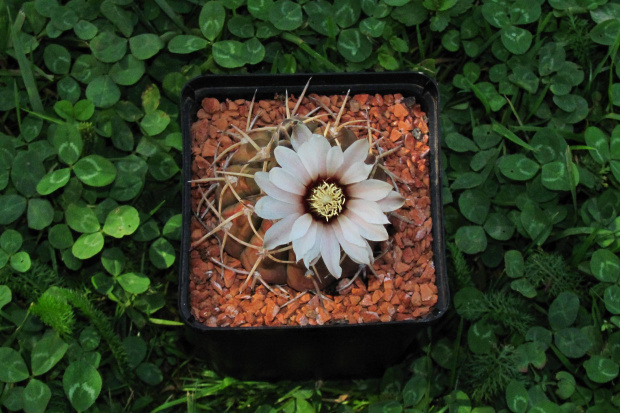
(324, 201)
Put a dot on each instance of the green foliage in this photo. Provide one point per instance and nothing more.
(549, 273)
(462, 271)
(100, 321)
(89, 197)
(503, 307)
(487, 375)
(34, 282)
(54, 311)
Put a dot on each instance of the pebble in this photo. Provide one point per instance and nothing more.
(211, 105)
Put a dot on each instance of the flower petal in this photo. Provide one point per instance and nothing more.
(270, 208)
(359, 254)
(262, 180)
(279, 233)
(350, 231)
(315, 250)
(357, 152)
(290, 162)
(367, 210)
(391, 202)
(285, 181)
(372, 232)
(356, 173)
(330, 251)
(370, 189)
(302, 246)
(300, 135)
(301, 226)
(313, 155)
(334, 160)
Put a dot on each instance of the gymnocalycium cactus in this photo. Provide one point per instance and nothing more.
(289, 197)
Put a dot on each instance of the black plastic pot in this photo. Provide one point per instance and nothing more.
(319, 352)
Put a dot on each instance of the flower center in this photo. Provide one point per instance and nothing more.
(326, 200)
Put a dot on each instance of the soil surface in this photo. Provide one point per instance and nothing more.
(401, 283)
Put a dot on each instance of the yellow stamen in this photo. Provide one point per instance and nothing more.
(327, 200)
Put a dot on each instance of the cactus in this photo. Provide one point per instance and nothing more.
(234, 192)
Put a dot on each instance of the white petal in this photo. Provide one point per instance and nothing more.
(356, 173)
(301, 226)
(262, 180)
(300, 135)
(334, 160)
(303, 245)
(289, 160)
(391, 202)
(367, 210)
(330, 251)
(359, 254)
(370, 189)
(372, 232)
(315, 250)
(350, 231)
(279, 233)
(270, 208)
(313, 154)
(284, 180)
(357, 152)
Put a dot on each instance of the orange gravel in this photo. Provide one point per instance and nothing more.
(401, 284)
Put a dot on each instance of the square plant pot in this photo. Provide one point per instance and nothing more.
(313, 334)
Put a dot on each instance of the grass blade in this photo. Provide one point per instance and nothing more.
(569, 169)
(165, 7)
(483, 99)
(162, 322)
(24, 64)
(303, 46)
(508, 134)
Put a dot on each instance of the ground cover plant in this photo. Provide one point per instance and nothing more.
(90, 212)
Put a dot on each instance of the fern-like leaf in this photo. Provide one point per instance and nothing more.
(551, 272)
(54, 311)
(461, 268)
(100, 321)
(509, 310)
(488, 374)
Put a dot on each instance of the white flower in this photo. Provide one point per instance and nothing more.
(324, 200)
